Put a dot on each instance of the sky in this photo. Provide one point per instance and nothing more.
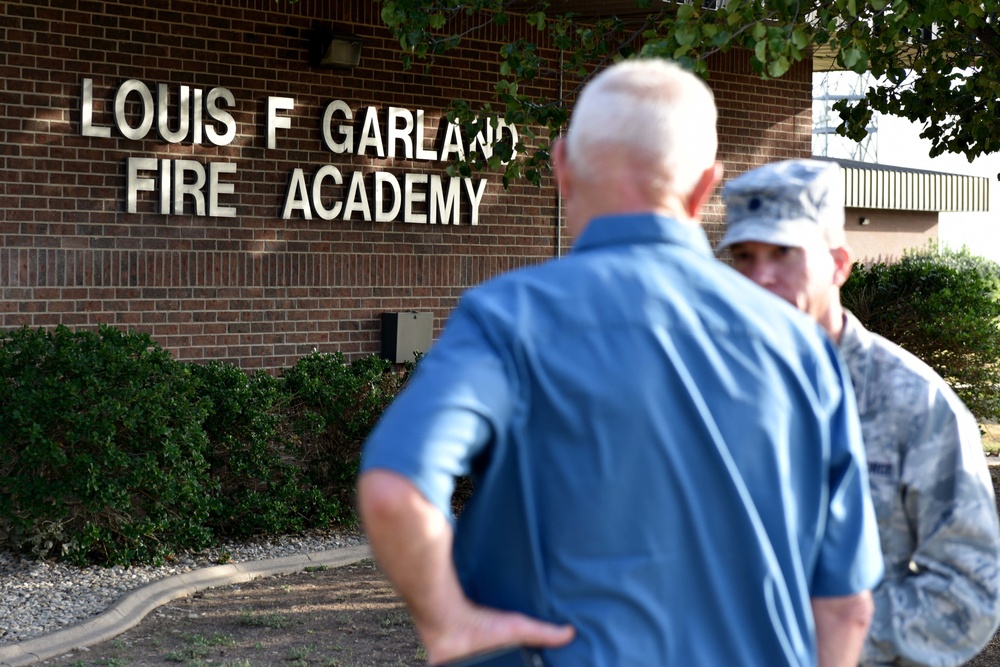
(897, 142)
(900, 144)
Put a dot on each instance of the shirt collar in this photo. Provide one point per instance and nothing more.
(642, 228)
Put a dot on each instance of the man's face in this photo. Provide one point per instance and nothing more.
(801, 276)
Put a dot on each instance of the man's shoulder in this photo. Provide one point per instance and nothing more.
(896, 389)
(700, 297)
(888, 360)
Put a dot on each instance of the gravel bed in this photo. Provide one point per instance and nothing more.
(38, 597)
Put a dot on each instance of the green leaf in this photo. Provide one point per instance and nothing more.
(412, 39)
(777, 68)
(850, 57)
(721, 39)
(685, 35)
(799, 38)
(437, 21)
(388, 14)
(760, 51)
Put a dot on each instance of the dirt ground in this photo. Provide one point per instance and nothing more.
(341, 617)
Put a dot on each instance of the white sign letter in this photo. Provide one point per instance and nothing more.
(221, 116)
(163, 114)
(411, 196)
(400, 133)
(274, 121)
(296, 197)
(475, 197)
(357, 198)
(444, 208)
(324, 172)
(452, 142)
(371, 135)
(87, 128)
(422, 153)
(181, 188)
(346, 131)
(135, 183)
(385, 178)
(215, 188)
(121, 95)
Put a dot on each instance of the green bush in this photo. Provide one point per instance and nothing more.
(102, 455)
(334, 407)
(254, 459)
(941, 305)
(111, 452)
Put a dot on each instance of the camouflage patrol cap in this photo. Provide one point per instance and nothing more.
(785, 203)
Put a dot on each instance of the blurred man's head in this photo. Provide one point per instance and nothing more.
(642, 137)
(785, 231)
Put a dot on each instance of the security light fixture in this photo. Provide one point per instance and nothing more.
(334, 50)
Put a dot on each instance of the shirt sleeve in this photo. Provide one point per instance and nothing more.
(944, 608)
(850, 557)
(447, 414)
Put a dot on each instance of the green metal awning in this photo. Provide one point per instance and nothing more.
(868, 185)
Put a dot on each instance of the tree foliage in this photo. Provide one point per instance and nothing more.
(934, 60)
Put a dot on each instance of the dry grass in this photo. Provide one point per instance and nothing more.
(991, 438)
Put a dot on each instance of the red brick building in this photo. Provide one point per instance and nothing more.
(183, 170)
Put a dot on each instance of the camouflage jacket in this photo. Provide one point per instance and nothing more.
(939, 602)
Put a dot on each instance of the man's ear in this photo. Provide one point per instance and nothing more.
(843, 260)
(702, 190)
(560, 166)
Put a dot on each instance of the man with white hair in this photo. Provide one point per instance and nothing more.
(667, 463)
(939, 602)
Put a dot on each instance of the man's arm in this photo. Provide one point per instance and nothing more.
(946, 606)
(850, 562)
(412, 542)
(841, 626)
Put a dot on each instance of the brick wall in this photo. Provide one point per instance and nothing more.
(759, 122)
(256, 288)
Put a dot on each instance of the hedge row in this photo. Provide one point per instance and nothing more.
(112, 452)
(943, 305)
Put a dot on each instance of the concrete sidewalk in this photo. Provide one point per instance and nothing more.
(131, 608)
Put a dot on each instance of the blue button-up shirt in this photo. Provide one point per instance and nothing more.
(665, 456)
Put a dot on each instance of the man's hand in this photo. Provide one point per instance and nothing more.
(475, 629)
(412, 543)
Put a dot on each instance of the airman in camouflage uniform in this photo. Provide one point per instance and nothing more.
(934, 501)
(939, 602)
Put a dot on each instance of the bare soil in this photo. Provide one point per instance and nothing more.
(343, 617)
